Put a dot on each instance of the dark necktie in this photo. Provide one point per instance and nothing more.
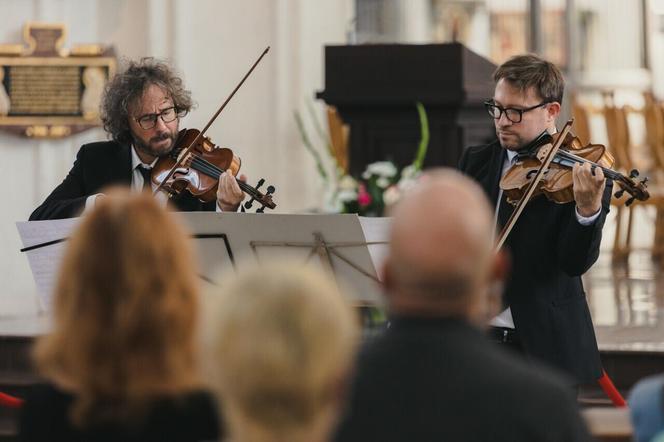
(146, 173)
(505, 209)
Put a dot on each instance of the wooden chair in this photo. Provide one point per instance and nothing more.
(617, 130)
(653, 113)
(651, 165)
(581, 114)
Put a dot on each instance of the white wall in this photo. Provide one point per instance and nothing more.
(212, 43)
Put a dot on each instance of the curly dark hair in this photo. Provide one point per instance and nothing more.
(123, 91)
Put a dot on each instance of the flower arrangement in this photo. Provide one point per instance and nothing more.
(380, 185)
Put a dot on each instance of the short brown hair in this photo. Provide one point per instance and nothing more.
(526, 71)
(125, 311)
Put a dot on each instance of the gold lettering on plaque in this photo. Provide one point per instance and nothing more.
(45, 90)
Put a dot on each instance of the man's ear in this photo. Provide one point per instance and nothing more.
(553, 110)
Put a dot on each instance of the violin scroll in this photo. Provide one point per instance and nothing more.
(637, 190)
(265, 200)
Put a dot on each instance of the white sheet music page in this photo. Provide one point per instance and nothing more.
(45, 261)
(377, 229)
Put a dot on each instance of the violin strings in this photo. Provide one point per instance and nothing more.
(206, 167)
(608, 172)
(213, 171)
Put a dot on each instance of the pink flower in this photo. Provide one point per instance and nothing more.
(363, 197)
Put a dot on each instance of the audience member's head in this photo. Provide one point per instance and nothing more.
(441, 261)
(285, 343)
(125, 311)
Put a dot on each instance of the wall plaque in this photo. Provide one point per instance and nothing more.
(50, 92)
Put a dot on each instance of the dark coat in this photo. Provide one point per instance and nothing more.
(190, 416)
(97, 166)
(550, 250)
(441, 380)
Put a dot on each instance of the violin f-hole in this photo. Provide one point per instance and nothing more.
(532, 172)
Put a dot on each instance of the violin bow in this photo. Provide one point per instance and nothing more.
(532, 186)
(183, 155)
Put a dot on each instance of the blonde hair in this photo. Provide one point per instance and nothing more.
(125, 311)
(284, 344)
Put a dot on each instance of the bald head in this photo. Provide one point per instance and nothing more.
(441, 255)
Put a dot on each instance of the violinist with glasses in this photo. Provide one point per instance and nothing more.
(141, 110)
(545, 315)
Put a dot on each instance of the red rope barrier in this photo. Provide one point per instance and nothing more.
(611, 391)
(10, 401)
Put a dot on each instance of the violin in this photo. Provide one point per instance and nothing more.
(199, 169)
(195, 163)
(545, 166)
(557, 182)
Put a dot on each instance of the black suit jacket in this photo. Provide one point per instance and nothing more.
(187, 417)
(440, 380)
(550, 251)
(97, 166)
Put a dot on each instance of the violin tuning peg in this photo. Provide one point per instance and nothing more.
(270, 190)
(260, 183)
(629, 202)
(619, 193)
(261, 210)
(633, 173)
(249, 203)
(644, 181)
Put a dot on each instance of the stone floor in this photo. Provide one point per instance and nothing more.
(627, 301)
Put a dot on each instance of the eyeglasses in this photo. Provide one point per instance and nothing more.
(512, 114)
(167, 115)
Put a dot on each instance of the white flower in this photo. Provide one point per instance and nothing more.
(346, 196)
(332, 203)
(405, 185)
(380, 168)
(409, 178)
(391, 195)
(347, 182)
(409, 172)
(383, 182)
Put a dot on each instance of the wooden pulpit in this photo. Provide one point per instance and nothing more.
(375, 88)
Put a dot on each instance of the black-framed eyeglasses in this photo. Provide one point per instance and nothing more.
(167, 115)
(513, 114)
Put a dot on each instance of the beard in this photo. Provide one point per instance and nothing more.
(511, 141)
(157, 146)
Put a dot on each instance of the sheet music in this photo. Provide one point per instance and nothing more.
(256, 238)
(351, 258)
(45, 261)
(377, 230)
